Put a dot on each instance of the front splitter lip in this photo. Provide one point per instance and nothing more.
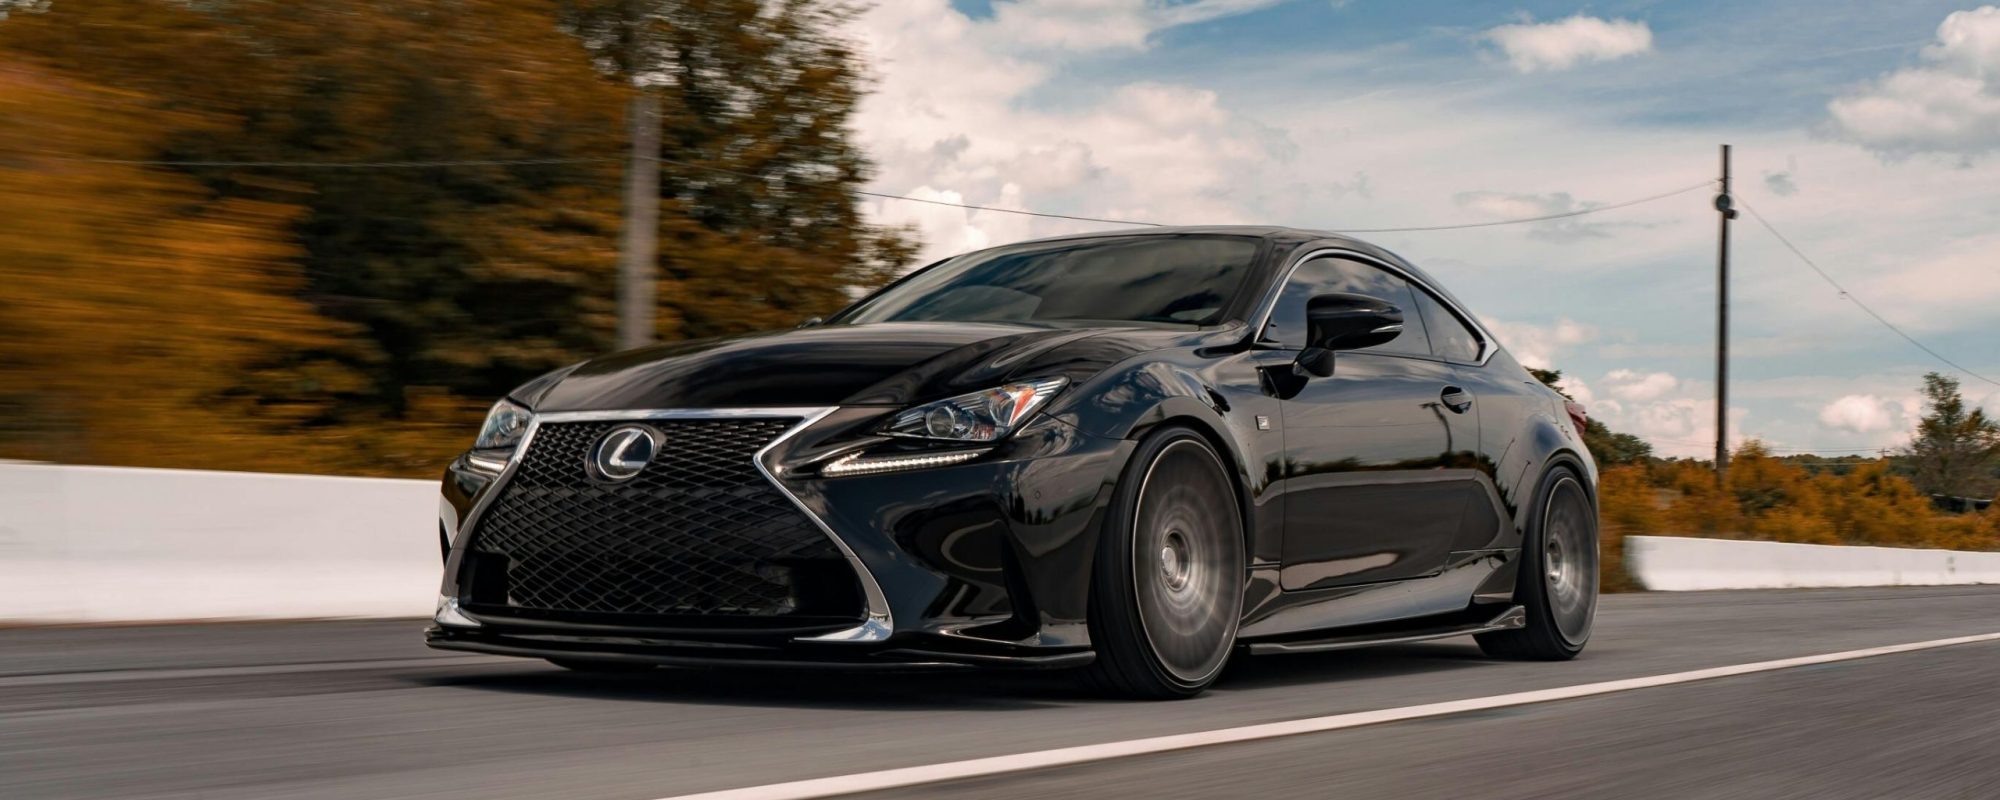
(786, 656)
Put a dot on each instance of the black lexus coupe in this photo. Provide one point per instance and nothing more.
(1133, 453)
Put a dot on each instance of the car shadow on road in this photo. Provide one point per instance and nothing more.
(1348, 666)
(957, 690)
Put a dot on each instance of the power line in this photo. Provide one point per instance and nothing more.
(1845, 294)
(863, 193)
(1008, 210)
(1544, 218)
(503, 162)
(1827, 450)
(884, 196)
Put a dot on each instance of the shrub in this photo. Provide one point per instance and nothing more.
(1774, 499)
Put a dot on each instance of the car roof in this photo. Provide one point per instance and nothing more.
(1261, 231)
(1283, 236)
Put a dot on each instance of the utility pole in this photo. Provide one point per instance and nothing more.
(639, 246)
(1724, 207)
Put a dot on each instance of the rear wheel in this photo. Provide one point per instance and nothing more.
(1167, 586)
(1558, 581)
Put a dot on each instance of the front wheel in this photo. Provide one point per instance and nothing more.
(1558, 581)
(1167, 586)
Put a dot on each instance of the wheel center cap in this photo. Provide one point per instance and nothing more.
(1173, 561)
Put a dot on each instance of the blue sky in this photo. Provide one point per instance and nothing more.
(1867, 132)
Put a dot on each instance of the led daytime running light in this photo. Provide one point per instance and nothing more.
(859, 464)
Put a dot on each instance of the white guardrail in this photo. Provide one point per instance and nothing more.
(1677, 564)
(103, 544)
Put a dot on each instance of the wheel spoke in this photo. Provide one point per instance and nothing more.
(1569, 559)
(1186, 566)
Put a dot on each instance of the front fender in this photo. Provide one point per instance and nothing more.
(1217, 395)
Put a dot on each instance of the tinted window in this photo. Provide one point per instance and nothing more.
(1328, 275)
(1450, 336)
(1159, 279)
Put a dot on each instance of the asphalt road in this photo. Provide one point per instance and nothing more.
(362, 710)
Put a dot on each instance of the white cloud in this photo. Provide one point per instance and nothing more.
(1631, 386)
(1560, 45)
(1513, 205)
(1540, 346)
(1085, 25)
(963, 116)
(1950, 105)
(1577, 389)
(1675, 416)
(1860, 413)
(948, 117)
(1958, 281)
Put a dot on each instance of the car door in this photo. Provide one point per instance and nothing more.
(1372, 491)
(1501, 401)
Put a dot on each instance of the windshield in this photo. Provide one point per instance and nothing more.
(1155, 279)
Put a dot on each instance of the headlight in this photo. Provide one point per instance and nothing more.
(987, 416)
(504, 426)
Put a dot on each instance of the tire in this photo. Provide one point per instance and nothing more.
(1167, 583)
(1557, 585)
(601, 667)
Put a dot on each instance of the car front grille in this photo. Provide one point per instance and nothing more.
(699, 532)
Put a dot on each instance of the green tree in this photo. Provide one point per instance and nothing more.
(1607, 447)
(1955, 448)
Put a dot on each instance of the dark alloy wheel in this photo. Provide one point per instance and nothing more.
(1558, 580)
(1167, 588)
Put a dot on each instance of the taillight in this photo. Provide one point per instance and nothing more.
(1576, 414)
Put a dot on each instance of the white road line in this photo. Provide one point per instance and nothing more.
(121, 675)
(1043, 759)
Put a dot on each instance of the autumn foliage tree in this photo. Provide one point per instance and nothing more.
(367, 302)
(145, 320)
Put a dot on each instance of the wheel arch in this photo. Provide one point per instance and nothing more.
(1211, 428)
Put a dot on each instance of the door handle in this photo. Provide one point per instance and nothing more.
(1455, 399)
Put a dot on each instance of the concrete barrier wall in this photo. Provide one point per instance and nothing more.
(99, 544)
(1675, 564)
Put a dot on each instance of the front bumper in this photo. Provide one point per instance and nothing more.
(985, 563)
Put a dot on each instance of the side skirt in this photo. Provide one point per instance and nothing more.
(1512, 617)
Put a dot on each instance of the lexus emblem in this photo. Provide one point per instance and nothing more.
(622, 453)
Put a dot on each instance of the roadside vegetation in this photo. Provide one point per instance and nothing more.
(291, 236)
(1914, 498)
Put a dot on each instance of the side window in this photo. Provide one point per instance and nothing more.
(1450, 336)
(1328, 275)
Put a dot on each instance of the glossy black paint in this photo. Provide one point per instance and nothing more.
(1389, 490)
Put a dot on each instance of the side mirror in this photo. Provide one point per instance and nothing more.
(1345, 322)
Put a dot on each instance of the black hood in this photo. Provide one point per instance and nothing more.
(889, 364)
